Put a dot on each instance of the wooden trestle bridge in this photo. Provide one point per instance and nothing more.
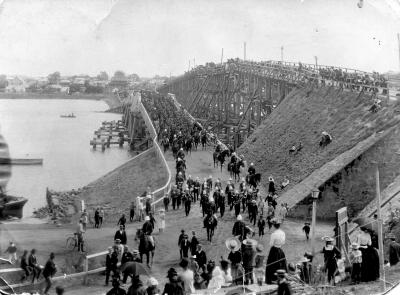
(231, 99)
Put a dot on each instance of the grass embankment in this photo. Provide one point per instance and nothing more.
(301, 117)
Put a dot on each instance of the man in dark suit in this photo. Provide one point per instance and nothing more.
(121, 234)
(32, 260)
(201, 257)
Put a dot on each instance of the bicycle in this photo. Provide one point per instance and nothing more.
(72, 242)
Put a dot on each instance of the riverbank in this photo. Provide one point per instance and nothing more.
(114, 191)
(109, 99)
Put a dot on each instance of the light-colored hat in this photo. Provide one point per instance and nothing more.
(232, 244)
(270, 178)
(304, 259)
(117, 240)
(251, 164)
(327, 239)
(147, 218)
(135, 251)
(239, 218)
(152, 282)
(250, 242)
(193, 256)
(355, 246)
(280, 273)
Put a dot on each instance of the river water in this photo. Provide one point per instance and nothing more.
(34, 129)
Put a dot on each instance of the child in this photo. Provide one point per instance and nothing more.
(12, 253)
(261, 226)
(306, 229)
(356, 260)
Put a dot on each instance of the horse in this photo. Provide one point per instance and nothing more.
(204, 141)
(188, 145)
(210, 223)
(175, 149)
(253, 180)
(220, 157)
(146, 246)
(234, 169)
(165, 143)
(196, 140)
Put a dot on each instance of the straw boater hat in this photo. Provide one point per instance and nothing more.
(239, 218)
(270, 178)
(232, 244)
(304, 259)
(355, 246)
(147, 218)
(250, 242)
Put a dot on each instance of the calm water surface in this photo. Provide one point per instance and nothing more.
(33, 128)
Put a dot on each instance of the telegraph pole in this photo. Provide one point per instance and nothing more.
(222, 55)
(380, 237)
(314, 195)
(244, 50)
(282, 53)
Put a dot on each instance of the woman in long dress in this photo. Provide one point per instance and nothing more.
(370, 257)
(276, 257)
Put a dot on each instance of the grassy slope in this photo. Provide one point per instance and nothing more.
(116, 190)
(302, 116)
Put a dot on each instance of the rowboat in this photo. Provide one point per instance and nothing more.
(67, 116)
(11, 206)
(26, 161)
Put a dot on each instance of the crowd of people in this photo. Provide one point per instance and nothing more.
(325, 75)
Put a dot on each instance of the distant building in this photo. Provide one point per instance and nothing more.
(16, 85)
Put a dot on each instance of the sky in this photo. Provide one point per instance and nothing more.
(150, 37)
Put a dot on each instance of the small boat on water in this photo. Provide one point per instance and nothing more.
(11, 206)
(68, 116)
(26, 161)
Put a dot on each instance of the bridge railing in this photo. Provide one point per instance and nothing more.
(346, 78)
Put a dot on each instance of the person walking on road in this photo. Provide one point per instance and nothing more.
(48, 272)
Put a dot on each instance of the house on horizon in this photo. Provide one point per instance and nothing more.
(16, 85)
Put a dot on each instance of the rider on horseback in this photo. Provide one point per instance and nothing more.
(181, 154)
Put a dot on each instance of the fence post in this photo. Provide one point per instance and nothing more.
(85, 279)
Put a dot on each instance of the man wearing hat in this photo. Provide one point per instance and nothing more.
(136, 256)
(193, 243)
(283, 284)
(248, 253)
(276, 257)
(394, 250)
(331, 255)
(116, 290)
(201, 257)
(306, 230)
(147, 227)
(185, 245)
(111, 263)
(180, 239)
(121, 235)
(235, 257)
(239, 228)
(173, 286)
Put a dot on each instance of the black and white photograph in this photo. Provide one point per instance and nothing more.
(197, 147)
